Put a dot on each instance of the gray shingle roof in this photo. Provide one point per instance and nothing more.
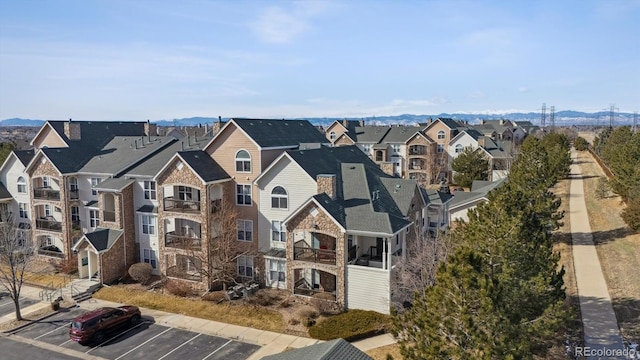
(124, 152)
(338, 349)
(148, 209)
(114, 184)
(435, 197)
(4, 193)
(370, 134)
(102, 238)
(479, 190)
(401, 133)
(275, 133)
(24, 156)
(450, 123)
(207, 168)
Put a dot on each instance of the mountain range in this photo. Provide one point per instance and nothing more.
(562, 118)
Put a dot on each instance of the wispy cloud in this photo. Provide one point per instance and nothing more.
(523, 89)
(279, 25)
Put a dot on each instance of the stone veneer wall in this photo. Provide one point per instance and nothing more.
(387, 167)
(343, 141)
(304, 221)
(327, 183)
(112, 265)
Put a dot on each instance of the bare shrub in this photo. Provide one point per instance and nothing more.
(294, 321)
(215, 296)
(307, 313)
(178, 288)
(325, 306)
(265, 297)
(140, 272)
(285, 303)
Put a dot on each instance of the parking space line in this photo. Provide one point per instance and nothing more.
(183, 344)
(113, 337)
(139, 346)
(65, 342)
(54, 330)
(215, 351)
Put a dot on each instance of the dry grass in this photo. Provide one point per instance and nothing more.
(382, 352)
(618, 250)
(231, 313)
(43, 274)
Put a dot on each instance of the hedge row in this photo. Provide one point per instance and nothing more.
(351, 325)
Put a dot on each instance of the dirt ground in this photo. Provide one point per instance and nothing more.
(618, 250)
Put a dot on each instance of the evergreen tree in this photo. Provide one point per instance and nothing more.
(470, 165)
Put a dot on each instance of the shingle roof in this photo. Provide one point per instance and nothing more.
(479, 190)
(401, 133)
(207, 168)
(124, 152)
(275, 133)
(435, 197)
(103, 239)
(114, 184)
(4, 193)
(330, 350)
(24, 156)
(148, 209)
(370, 134)
(452, 124)
(326, 160)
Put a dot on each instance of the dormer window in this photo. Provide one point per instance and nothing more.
(243, 161)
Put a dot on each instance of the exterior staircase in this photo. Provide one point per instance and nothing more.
(78, 290)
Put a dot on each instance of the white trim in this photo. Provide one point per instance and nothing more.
(312, 199)
(419, 133)
(34, 161)
(47, 123)
(226, 125)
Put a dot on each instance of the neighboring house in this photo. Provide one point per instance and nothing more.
(464, 201)
(396, 149)
(441, 131)
(344, 225)
(334, 131)
(329, 350)
(499, 158)
(17, 185)
(421, 158)
(436, 214)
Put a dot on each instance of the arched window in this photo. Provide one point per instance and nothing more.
(332, 135)
(459, 148)
(22, 185)
(279, 199)
(243, 161)
(441, 134)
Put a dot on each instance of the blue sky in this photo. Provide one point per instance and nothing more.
(137, 60)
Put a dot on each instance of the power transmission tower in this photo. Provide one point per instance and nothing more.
(635, 120)
(552, 117)
(612, 114)
(543, 120)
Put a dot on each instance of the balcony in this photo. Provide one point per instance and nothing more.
(74, 194)
(310, 254)
(180, 241)
(48, 224)
(216, 205)
(51, 251)
(183, 206)
(417, 150)
(109, 216)
(46, 194)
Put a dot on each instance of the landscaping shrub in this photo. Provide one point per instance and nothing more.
(325, 306)
(631, 215)
(351, 325)
(140, 272)
(580, 144)
(178, 288)
(265, 297)
(294, 321)
(215, 296)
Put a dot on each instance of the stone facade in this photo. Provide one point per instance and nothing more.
(327, 183)
(112, 264)
(304, 221)
(72, 130)
(387, 167)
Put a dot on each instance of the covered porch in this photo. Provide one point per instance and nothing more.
(315, 283)
(379, 252)
(95, 249)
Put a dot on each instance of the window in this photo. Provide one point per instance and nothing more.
(24, 210)
(278, 231)
(47, 210)
(279, 198)
(245, 230)
(245, 266)
(396, 148)
(440, 148)
(22, 185)
(188, 265)
(185, 193)
(150, 190)
(94, 182)
(277, 270)
(73, 184)
(149, 256)
(441, 135)
(45, 182)
(243, 161)
(94, 219)
(75, 213)
(332, 135)
(459, 148)
(148, 224)
(243, 194)
(46, 241)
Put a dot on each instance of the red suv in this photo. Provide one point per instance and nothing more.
(94, 325)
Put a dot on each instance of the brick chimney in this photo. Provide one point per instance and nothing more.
(217, 125)
(150, 129)
(387, 167)
(72, 130)
(481, 141)
(361, 122)
(327, 183)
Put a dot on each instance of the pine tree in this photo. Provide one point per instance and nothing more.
(470, 165)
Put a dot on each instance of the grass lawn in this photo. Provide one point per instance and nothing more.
(239, 314)
(381, 352)
(618, 250)
(43, 275)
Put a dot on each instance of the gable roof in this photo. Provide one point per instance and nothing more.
(4, 193)
(113, 184)
(401, 133)
(330, 350)
(24, 156)
(475, 134)
(101, 239)
(421, 134)
(56, 129)
(435, 197)
(200, 163)
(371, 134)
(269, 133)
(479, 191)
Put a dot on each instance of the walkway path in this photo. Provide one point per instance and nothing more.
(598, 318)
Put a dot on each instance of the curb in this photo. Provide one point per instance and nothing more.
(11, 331)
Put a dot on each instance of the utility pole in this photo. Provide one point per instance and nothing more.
(543, 120)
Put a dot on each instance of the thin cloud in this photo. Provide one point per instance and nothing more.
(523, 89)
(279, 25)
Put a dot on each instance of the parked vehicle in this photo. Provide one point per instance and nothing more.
(93, 326)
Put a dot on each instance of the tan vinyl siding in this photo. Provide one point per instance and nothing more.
(224, 148)
(48, 137)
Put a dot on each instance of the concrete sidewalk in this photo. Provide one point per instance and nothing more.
(598, 318)
(271, 342)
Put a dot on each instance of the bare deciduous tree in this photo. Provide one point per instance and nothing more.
(16, 254)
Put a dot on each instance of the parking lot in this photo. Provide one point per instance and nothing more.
(147, 340)
(6, 304)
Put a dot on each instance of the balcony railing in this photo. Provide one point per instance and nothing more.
(417, 167)
(417, 151)
(48, 224)
(49, 251)
(46, 194)
(181, 241)
(216, 205)
(74, 194)
(177, 205)
(306, 253)
(109, 216)
(302, 287)
(177, 272)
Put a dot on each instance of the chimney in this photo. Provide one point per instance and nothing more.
(72, 130)
(501, 121)
(216, 126)
(387, 167)
(150, 129)
(344, 122)
(361, 122)
(327, 183)
(481, 141)
(482, 121)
